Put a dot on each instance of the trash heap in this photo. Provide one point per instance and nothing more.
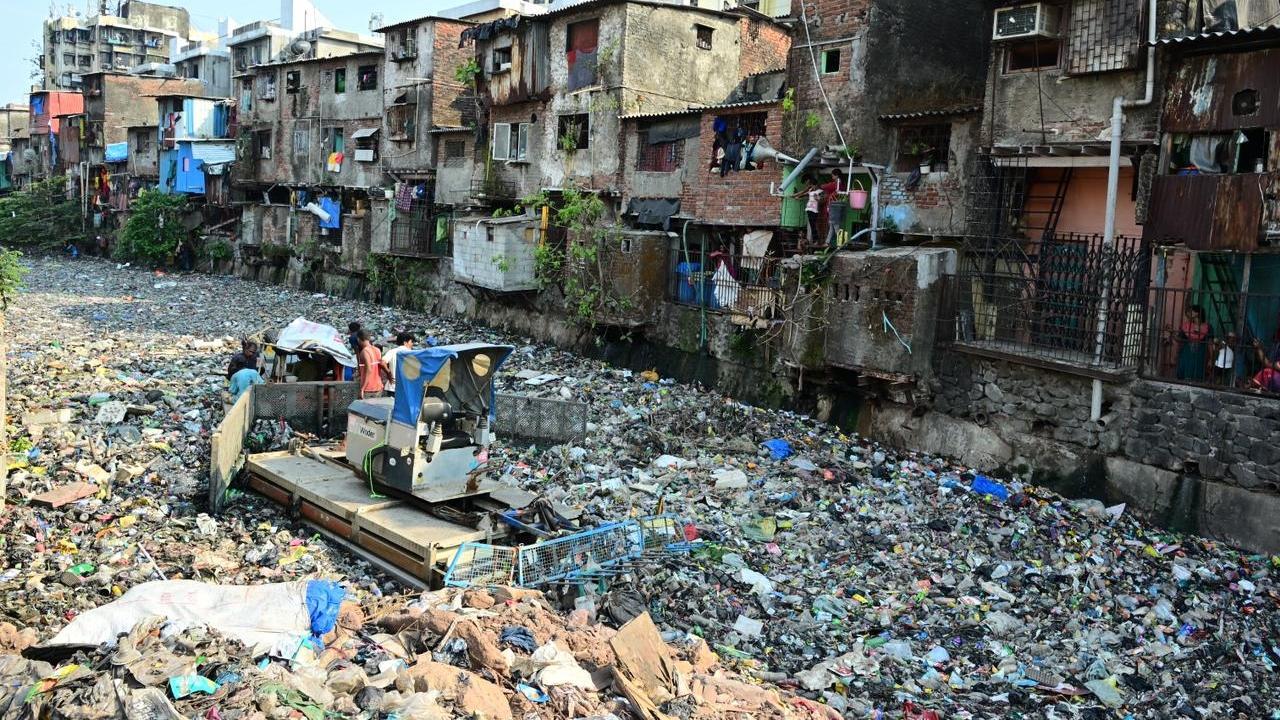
(872, 581)
(497, 655)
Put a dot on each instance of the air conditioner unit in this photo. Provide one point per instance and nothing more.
(364, 155)
(1026, 21)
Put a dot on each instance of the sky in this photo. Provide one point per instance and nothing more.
(23, 21)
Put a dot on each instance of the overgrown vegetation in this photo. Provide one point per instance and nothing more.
(467, 72)
(11, 273)
(580, 267)
(154, 228)
(41, 216)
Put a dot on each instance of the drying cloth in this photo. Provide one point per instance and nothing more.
(404, 197)
(330, 206)
(755, 245)
(726, 286)
(518, 637)
(653, 211)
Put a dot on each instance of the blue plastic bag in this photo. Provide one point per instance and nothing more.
(778, 448)
(984, 485)
(324, 599)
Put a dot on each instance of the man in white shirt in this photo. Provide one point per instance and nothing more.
(404, 341)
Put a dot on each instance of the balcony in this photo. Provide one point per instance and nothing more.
(1236, 341)
(1212, 212)
(421, 233)
(1063, 302)
(743, 285)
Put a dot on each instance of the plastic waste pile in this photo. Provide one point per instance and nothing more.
(183, 649)
(857, 579)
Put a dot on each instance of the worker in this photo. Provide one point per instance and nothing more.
(353, 331)
(369, 371)
(242, 380)
(404, 341)
(248, 357)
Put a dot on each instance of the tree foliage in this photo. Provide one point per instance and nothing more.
(11, 273)
(40, 216)
(154, 228)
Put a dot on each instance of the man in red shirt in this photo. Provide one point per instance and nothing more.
(369, 372)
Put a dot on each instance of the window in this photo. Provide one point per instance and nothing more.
(302, 140)
(292, 81)
(402, 121)
(104, 59)
(68, 59)
(830, 62)
(510, 141)
(581, 39)
(85, 60)
(267, 86)
(1036, 54)
(574, 132)
(340, 80)
(747, 127)
(659, 157)
(334, 141)
(704, 36)
(404, 44)
(923, 144)
(501, 59)
(1244, 102)
(262, 139)
(367, 77)
(191, 70)
(455, 152)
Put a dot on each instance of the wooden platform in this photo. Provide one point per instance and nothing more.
(328, 495)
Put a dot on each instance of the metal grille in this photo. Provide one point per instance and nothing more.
(421, 232)
(1064, 299)
(547, 420)
(1104, 36)
(319, 408)
(583, 556)
(482, 564)
(742, 284)
(1235, 339)
(659, 157)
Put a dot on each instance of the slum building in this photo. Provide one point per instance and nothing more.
(556, 120)
(426, 107)
(143, 164)
(140, 34)
(21, 157)
(208, 62)
(310, 156)
(46, 107)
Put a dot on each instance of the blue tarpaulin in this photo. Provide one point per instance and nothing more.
(414, 371)
(117, 152)
(333, 209)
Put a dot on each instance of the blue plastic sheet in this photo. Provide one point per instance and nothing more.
(334, 211)
(116, 152)
(324, 599)
(984, 485)
(414, 371)
(778, 448)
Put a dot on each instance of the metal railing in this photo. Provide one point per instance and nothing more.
(1214, 338)
(418, 233)
(1065, 299)
(743, 284)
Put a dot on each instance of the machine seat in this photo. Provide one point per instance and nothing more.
(454, 439)
(375, 409)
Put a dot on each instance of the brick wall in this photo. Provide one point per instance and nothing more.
(447, 58)
(763, 46)
(739, 198)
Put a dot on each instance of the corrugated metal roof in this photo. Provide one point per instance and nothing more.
(697, 110)
(214, 153)
(962, 110)
(451, 129)
(364, 133)
(1252, 33)
(421, 19)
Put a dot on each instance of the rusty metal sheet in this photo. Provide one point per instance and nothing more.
(1207, 212)
(1201, 89)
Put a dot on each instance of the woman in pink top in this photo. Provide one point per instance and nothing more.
(1193, 352)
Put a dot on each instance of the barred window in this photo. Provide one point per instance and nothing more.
(659, 157)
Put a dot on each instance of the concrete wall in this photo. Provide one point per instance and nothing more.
(495, 254)
(144, 152)
(938, 204)
(454, 175)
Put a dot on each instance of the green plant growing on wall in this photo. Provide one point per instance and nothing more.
(467, 72)
(502, 262)
(581, 267)
(154, 228)
(12, 271)
(789, 101)
(218, 250)
(812, 120)
(568, 140)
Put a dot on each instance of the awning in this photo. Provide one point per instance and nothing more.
(213, 153)
(364, 133)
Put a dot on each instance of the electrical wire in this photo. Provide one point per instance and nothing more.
(817, 74)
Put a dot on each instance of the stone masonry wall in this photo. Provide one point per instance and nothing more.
(1225, 437)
